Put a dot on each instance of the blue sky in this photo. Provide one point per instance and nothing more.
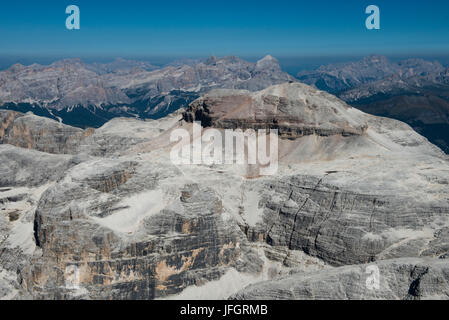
(203, 28)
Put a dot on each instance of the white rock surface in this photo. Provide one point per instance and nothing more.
(126, 223)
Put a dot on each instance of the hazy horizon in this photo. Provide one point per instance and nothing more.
(290, 64)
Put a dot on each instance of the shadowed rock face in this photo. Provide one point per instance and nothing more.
(118, 220)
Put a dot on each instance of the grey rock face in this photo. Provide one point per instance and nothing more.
(65, 83)
(158, 254)
(411, 75)
(405, 279)
(120, 64)
(342, 227)
(119, 220)
(46, 135)
(31, 168)
(339, 77)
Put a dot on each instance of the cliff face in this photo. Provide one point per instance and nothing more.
(116, 219)
(295, 110)
(88, 250)
(342, 226)
(42, 134)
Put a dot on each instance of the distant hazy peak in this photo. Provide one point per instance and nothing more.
(211, 60)
(227, 59)
(376, 59)
(16, 67)
(268, 63)
(64, 62)
(268, 59)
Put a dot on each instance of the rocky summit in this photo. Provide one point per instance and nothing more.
(104, 214)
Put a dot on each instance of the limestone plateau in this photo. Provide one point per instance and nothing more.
(104, 214)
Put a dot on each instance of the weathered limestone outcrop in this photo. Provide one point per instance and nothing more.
(42, 134)
(343, 227)
(294, 109)
(400, 279)
(92, 249)
(19, 167)
(38, 133)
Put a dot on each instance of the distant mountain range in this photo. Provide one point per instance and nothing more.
(88, 95)
(414, 91)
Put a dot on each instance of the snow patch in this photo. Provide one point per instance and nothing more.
(22, 237)
(252, 212)
(139, 206)
(231, 282)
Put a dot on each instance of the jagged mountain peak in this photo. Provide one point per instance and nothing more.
(268, 62)
(16, 67)
(227, 59)
(375, 58)
(120, 64)
(268, 57)
(211, 60)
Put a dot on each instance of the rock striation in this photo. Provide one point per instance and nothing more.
(295, 110)
(414, 279)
